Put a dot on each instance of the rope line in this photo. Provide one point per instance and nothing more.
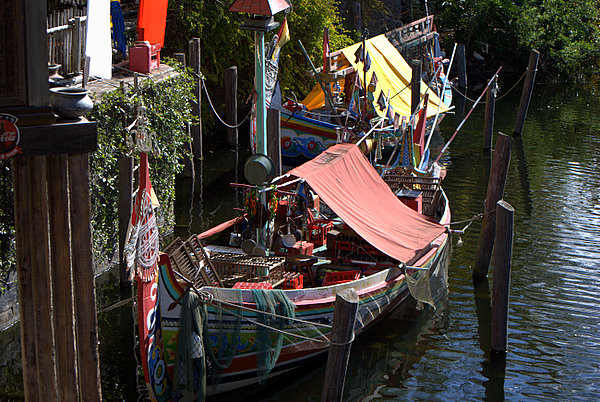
(209, 298)
(498, 98)
(213, 108)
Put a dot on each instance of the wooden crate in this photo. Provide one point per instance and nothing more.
(429, 187)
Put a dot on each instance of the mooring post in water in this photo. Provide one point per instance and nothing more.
(274, 138)
(231, 105)
(501, 286)
(490, 106)
(527, 91)
(195, 64)
(415, 85)
(461, 65)
(342, 334)
(495, 190)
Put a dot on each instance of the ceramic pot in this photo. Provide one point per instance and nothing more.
(53, 72)
(70, 103)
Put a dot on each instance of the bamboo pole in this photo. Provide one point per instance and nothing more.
(83, 278)
(490, 107)
(495, 190)
(501, 285)
(342, 334)
(534, 56)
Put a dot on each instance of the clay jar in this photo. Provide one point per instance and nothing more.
(70, 103)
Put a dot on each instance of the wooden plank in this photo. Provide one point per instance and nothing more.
(490, 106)
(37, 52)
(62, 285)
(73, 137)
(41, 283)
(534, 56)
(84, 291)
(20, 168)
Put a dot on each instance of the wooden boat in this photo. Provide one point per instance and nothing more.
(376, 244)
(336, 109)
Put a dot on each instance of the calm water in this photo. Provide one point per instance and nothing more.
(554, 323)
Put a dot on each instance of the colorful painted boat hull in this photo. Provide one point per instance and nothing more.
(379, 294)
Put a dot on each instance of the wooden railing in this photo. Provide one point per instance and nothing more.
(66, 39)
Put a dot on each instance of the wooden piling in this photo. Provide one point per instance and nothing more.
(195, 64)
(501, 285)
(461, 65)
(274, 138)
(534, 56)
(231, 105)
(125, 205)
(490, 107)
(495, 190)
(342, 333)
(415, 85)
(84, 292)
(62, 284)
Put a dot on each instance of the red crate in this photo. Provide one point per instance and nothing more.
(252, 285)
(344, 245)
(334, 278)
(302, 247)
(144, 57)
(293, 280)
(317, 231)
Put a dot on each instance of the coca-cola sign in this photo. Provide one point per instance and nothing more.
(9, 136)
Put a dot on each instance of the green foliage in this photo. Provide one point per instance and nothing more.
(224, 44)
(566, 32)
(168, 112)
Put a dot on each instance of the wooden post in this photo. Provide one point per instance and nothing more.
(83, 279)
(461, 64)
(342, 333)
(125, 205)
(23, 224)
(231, 105)
(274, 138)
(501, 286)
(195, 64)
(415, 85)
(180, 57)
(490, 106)
(62, 286)
(534, 56)
(76, 45)
(495, 190)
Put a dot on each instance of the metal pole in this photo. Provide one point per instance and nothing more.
(259, 71)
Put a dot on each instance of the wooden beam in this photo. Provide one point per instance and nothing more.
(195, 65)
(274, 138)
(231, 105)
(40, 273)
(79, 136)
(62, 284)
(21, 181)
(83, 279)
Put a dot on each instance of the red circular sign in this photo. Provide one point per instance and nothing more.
(9, 136)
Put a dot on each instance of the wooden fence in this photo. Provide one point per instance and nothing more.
(66, 38)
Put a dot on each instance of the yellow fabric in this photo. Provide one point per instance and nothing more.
(393, 78)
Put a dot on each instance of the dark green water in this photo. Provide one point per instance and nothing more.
(554, 324)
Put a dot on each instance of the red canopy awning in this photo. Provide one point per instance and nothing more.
(345, 180)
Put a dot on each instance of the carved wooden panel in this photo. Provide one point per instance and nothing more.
(13, 86)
